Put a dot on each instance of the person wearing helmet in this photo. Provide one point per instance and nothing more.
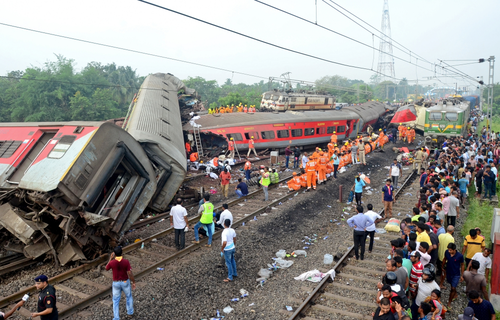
(251, 147)
(230, 147)
(334, 138)
(401, 130)
(425, 285)
(322, 161)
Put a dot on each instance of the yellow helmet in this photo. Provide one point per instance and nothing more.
(408, 127)
(379, 129)
(334, 132)
(231, 139)
(245, 105)
(346, 143)
(400, 123)
(335, 144)
(201, 161)
(252, 137)
(319, 149)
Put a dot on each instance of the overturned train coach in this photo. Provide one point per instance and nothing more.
(72, 189)
(278, 130)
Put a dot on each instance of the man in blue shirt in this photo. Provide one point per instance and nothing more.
(388, 198)
(423, 177)
(359, 223)
(241, 189)
(488, 179)
(453, 270)
(483, 309)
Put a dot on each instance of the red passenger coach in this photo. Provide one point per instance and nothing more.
(278, 130)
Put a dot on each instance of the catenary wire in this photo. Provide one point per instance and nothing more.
(263, 41)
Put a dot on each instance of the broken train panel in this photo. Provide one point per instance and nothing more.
(154, 120)
(69, 188)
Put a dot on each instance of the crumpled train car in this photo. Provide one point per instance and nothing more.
(69, 189)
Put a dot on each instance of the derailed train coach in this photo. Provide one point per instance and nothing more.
(72, 189)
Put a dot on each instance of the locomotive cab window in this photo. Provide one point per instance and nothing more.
(297, 133)
(340, 129)
(283, 133)
(235, 136)
(309, 131)
(435, 116)
(267, 135)
(331, 129)
(249, 135)
(451, 116)
(321, 130)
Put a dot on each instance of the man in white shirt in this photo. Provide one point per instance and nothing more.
(226, 214)
(228, 250)
(179, 221)
(395, 172)
(370, 230)
(484, 262)
(305, 159)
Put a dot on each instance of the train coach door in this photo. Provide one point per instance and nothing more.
(39, 146)
(348, 130)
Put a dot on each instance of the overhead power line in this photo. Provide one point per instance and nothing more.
(260, 40)
(132, 50)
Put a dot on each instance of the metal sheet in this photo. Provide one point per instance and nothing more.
(19, 227)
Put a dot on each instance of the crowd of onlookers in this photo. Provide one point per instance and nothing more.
(426, 257)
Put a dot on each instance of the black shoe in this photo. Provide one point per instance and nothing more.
(307, 190)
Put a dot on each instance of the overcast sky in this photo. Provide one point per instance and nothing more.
(433, 29)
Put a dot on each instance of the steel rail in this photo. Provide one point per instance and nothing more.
(18, 264)
(4, 302)
(319, 289)
(105, 292)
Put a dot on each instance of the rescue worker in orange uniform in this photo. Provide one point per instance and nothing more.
(230, 147)
(311, 168)
(381, 138)
(188, 148)
(334, 138)
(410, 135)
(329, 168)
(322, 161)
(303, 178)
(344, 147)
(222, 110)
(315, 154)
(248, 170)
(295, 183)
(400, 130)
(240, 108)
(245, 110)
(193, 157)
(251, 147)
(331, 148)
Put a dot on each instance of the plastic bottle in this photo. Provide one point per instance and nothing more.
(328, 259)
(301, 252)
(235, 299)
(160, 269)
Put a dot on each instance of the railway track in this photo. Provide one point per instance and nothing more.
(352, 294)
(83, 286)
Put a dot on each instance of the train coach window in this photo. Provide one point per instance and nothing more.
(340, 129)
(235, 136)
(267, 135)
(249, 135)
(7, 148)
(451, 116)
(435, 116)
(330, 130)
(321, 130)
(309, 132)
(283, 133)
(61, 147)
(297, 133)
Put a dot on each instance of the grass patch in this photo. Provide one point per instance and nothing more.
(479, 214)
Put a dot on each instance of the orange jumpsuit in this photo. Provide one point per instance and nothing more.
(329, 167)
(311, 167)
(245, 110)
(303, 180)
(323, 160)
(334, 139)
(347, 158)
(331, 148)
(295, 183)
(411, 135)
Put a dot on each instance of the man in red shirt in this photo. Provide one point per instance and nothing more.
(123, 280)
(225, 177)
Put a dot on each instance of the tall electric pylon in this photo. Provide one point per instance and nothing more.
(386, 60)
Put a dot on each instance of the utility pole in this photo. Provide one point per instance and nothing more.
(358, 93)
(386, 60)
(491, 83)
(481, 83)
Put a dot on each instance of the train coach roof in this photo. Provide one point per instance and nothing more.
(245, 119)
(445, 108)
(53, 124)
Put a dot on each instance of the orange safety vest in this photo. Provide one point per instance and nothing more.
(245, 109)
(230, 145)
(188, 147)
(216, 162)
(334, 138)
(193, 157)
(248, 165)
(323, 161)
(311, 166)
(250, 144)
